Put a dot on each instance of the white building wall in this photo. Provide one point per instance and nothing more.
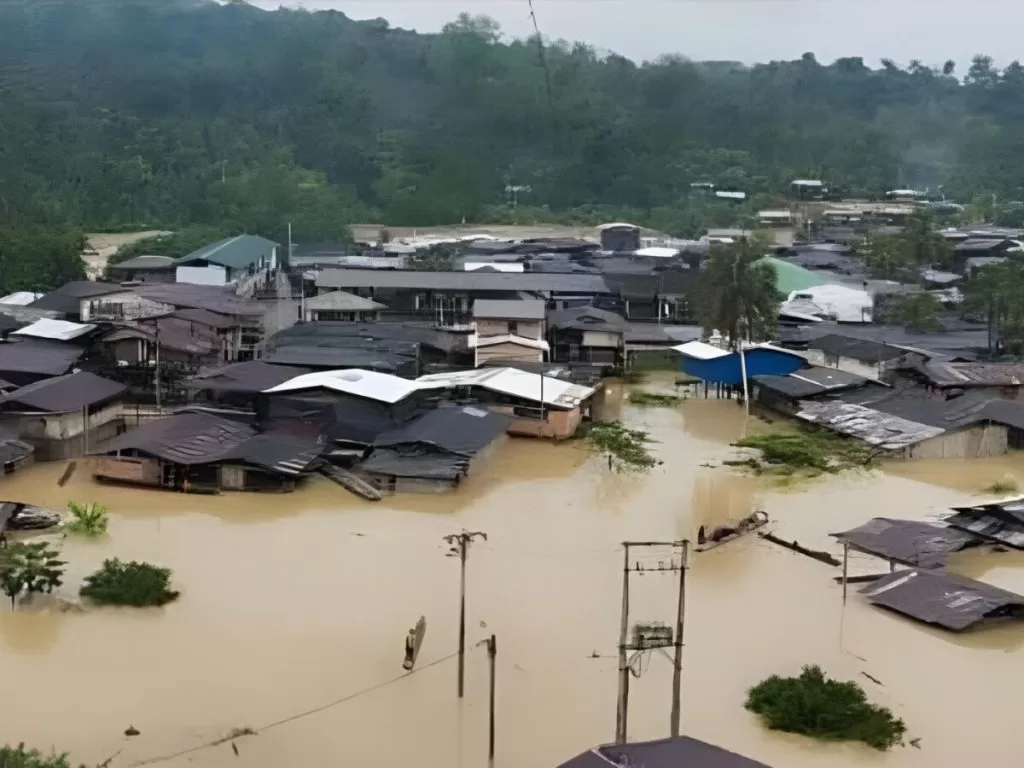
(211, 275)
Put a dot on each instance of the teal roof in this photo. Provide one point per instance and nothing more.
(237, 252)
(790, 277)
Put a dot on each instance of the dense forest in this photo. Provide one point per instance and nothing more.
(120, 114)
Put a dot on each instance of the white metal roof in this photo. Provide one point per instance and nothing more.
(806, 183)
(774, 214)
(60, 330)
(658, 252)
(372, 385)
(522, 341)
(616, 225)
(512, 382)
(731, 195)
(497, 266)
(699, 350)
(20, 298)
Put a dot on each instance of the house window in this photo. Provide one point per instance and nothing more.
(513, 327)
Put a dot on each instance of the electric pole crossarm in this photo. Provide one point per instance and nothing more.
(459, 543)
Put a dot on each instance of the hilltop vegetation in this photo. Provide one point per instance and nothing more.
(135, 113)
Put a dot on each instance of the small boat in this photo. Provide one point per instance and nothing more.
(413, 643)
(723, 534)
(17, 516)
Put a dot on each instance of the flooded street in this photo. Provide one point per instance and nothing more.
(292, 602)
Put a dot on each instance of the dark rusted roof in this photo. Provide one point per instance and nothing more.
(907, 541)
(42, 358)
(681, 752)
(945, 599)
(250, 376)
(865, 350)
(201, 438)
(1001, 521)
(68, 298)
(64, 393)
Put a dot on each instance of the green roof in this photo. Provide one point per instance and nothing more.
(790, 277)
(237, 252)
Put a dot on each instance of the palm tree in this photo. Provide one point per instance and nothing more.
(738, 294)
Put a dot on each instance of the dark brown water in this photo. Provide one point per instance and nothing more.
(294, 601)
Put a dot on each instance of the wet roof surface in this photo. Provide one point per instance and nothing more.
(909, 542)
(38, 357)
(461, 430)
(681, 752)
(64, 393)
(808, 382)
(250, 376)
(937, 597)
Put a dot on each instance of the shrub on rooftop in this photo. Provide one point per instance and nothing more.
(815, 705)
(133, 583)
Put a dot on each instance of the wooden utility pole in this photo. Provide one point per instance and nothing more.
(655, 641)
(492, 654)
(459, 543)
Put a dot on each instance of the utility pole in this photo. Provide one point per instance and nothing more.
(459, 543)
(156, 374)
(492, 653)
(648, 636)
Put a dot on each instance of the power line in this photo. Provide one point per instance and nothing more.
(290, 718)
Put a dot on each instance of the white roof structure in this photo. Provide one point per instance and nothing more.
(700, 350)
(522, 341)
(616, 225)
(514, 383)
(497, 266)
(382, 387)
(731, 195)
(658, 252)
(807, 183)
(775, 214)
(342, 301)
(845, 304)
(58, 330)
(20, 298)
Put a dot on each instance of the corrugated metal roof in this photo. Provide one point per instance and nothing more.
(699, 350)
(342, 301)
(588, 319)
(460, 281)
(945, 599)
(864, 350)
(64, 394)
(237, 252)
(909, 542)
(56, 330)
(250, 376)
(811, 381)
(381, 387)
(680, 752)
(145, 261)
(463, 430)
(509, 309)
(514, 383)
(883, 430)
(38, 357)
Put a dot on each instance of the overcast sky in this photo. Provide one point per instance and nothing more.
(737, 30)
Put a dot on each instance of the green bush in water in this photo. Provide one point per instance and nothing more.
(19, 757)
(136, 584)
(88, 519)
(811, 451)
(814, 705)
(625, 448)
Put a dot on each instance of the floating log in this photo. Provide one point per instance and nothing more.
(69, 470)
(350, 482)
(814, 554)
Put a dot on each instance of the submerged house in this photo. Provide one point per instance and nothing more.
(511, 330)
(202, 453)
(62, 417)
(785, 393)
(864, 357)
(1000, 522)
(540, 406)
(678, 752)
(435, 451)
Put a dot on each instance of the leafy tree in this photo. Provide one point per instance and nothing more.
(738, 294)
(133, 583)
(815, 705)
(30, 567)
(919, 312)
(995, 292)
(88, 519)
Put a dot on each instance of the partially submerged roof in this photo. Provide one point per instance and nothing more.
(237, 252)
(509, 309)
(342, 301)
(909, 542)
(251, 376)
(460, 281)
(513, 383)
(945, 599)
(463, 430)
(883, 430)
(942, 373)
(811, 381)
(64, 394)
(680, 752)
(381, 387)
(1001, 521)
(203, 438)
(42, 358)
(55, 330)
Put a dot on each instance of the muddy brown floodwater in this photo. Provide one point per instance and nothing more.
(291, 602)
